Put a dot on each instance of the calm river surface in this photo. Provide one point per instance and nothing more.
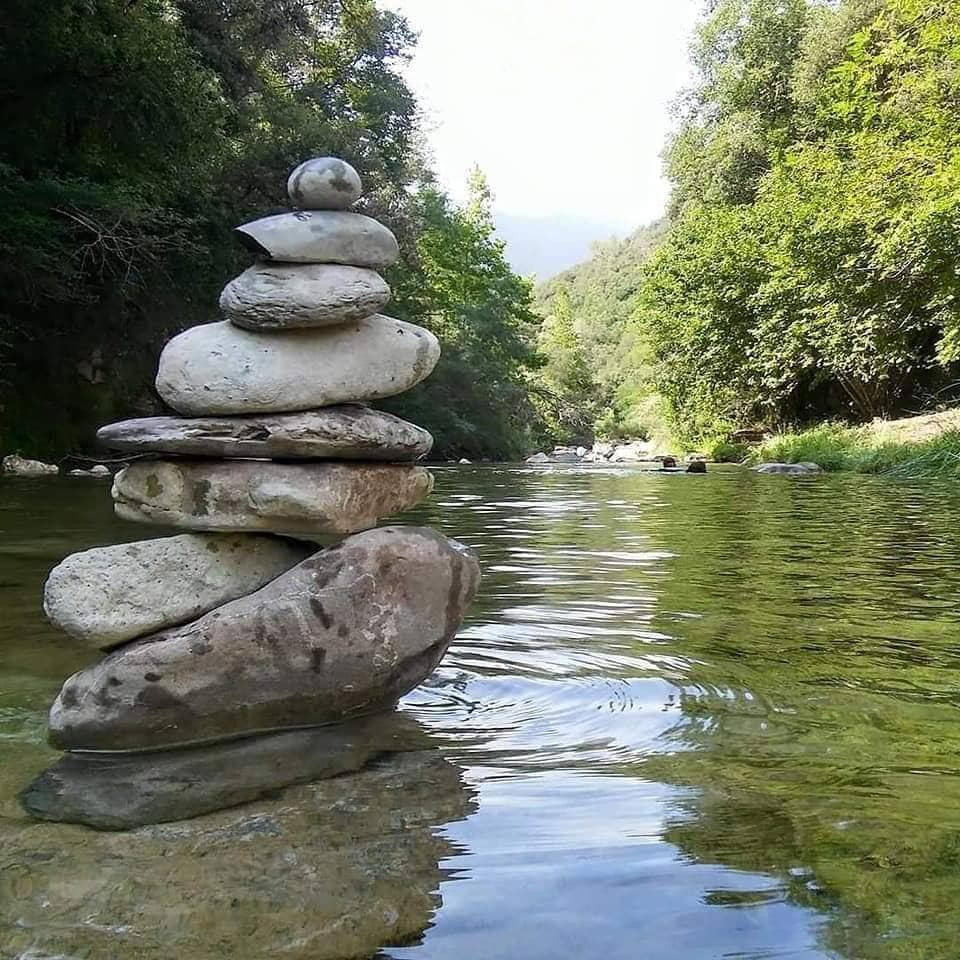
(688, 717)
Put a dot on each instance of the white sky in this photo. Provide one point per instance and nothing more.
(562, 103)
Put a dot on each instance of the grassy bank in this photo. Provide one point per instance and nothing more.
(926, 446)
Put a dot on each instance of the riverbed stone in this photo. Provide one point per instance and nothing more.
(108, 595)
(324, 183)
(218, 368)
(345, 432)
(17, 466)
(305, 500)
(321, 236)
(344, 633)
(286, 296)
(119, 791)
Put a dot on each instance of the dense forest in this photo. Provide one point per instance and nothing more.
(808, 267)
(135, 134)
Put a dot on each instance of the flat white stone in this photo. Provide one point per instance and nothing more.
(306, 500)
(321, 236)
(324, 183)
(108, 595)
(218, 368)
(346, 432)
(280, 296)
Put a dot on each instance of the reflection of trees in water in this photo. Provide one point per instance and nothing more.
(334, 868)
(818, 725)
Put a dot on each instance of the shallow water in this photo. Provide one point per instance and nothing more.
(688, 717)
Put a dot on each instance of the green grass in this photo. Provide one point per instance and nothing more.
(838, 447)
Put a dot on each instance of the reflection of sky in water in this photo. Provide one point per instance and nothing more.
(703, 717)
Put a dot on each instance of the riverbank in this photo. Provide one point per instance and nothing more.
(922, 446)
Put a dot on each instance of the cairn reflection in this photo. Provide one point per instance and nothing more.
(333, 868)
(118, 791)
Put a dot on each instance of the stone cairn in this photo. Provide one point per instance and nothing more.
(241, 626)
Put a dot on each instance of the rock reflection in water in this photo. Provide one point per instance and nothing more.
(332, 869)
(119, 791)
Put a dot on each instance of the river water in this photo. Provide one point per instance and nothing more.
(688, 717)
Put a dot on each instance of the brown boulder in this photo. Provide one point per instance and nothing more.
(344, 633)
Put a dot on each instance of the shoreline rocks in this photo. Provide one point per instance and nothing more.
(346, 431)
(788, 469)
(217, 368)
(344, 633)
(108, 595)
(17, 466)
(306, 500)
(284, 296)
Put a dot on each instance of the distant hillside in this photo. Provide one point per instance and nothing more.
(543, 246)
(595, 367)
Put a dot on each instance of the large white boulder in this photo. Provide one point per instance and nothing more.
(324, 183)
(218, 368)
(346, 632)
(306, 500)
(22, 467)
(108, 595)
(282, 296)
(321, 236)
(346, 432)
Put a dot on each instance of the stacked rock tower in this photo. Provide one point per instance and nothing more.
(242, 625)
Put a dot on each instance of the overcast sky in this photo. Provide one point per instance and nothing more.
(564, 104)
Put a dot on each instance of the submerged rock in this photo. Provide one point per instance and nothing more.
(21, 467)
(321, 236)
(330, 870)
(344, 633)
(324, 183)
(218, 368)
(108, 595)
(307, 500)
(118, 791)
(345, 432)
(799, 469)
(284, 296)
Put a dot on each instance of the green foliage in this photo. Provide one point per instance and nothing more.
(459, 285)
(839, 447)
(821, 282)
(135, 134)
(595, 375)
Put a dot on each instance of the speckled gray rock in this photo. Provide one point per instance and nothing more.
(321, 236)
(292, 296)
(117, 791)
(108, 595)
(324, 183)
(218, 368)
(346, 432)
(344, 633)
(307, 500)
(795, 469)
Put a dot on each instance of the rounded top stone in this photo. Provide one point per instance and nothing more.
(324, 183)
